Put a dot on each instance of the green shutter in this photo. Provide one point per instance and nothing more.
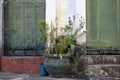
(103, 24)
(21, 18)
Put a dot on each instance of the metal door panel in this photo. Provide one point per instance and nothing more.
(103, 24)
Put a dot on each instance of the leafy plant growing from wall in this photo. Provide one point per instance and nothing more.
(61, 43)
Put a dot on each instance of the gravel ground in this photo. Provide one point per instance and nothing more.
(25, 76)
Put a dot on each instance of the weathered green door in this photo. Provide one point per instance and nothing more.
(103, 24)
(21, 18)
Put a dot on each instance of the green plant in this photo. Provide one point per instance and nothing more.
(60, 44)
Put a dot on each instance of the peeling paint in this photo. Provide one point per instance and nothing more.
(64, 10)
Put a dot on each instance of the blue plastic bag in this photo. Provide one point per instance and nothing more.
(43, 71)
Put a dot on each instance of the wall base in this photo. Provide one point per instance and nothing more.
(90, 65)
(21, 64)
(103, 65)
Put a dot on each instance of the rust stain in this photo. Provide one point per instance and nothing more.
(60, 15)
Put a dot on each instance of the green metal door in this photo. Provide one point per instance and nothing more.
(103, 24)
(21, 18)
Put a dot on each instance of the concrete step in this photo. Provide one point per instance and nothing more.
(105, 65)
(102, 59)
(98, 65)
(106, 70)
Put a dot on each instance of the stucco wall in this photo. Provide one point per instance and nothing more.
(63, 9)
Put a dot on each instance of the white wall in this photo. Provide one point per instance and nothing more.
(81, 8)
(62, 9)
(50, 10)
(81, 12)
